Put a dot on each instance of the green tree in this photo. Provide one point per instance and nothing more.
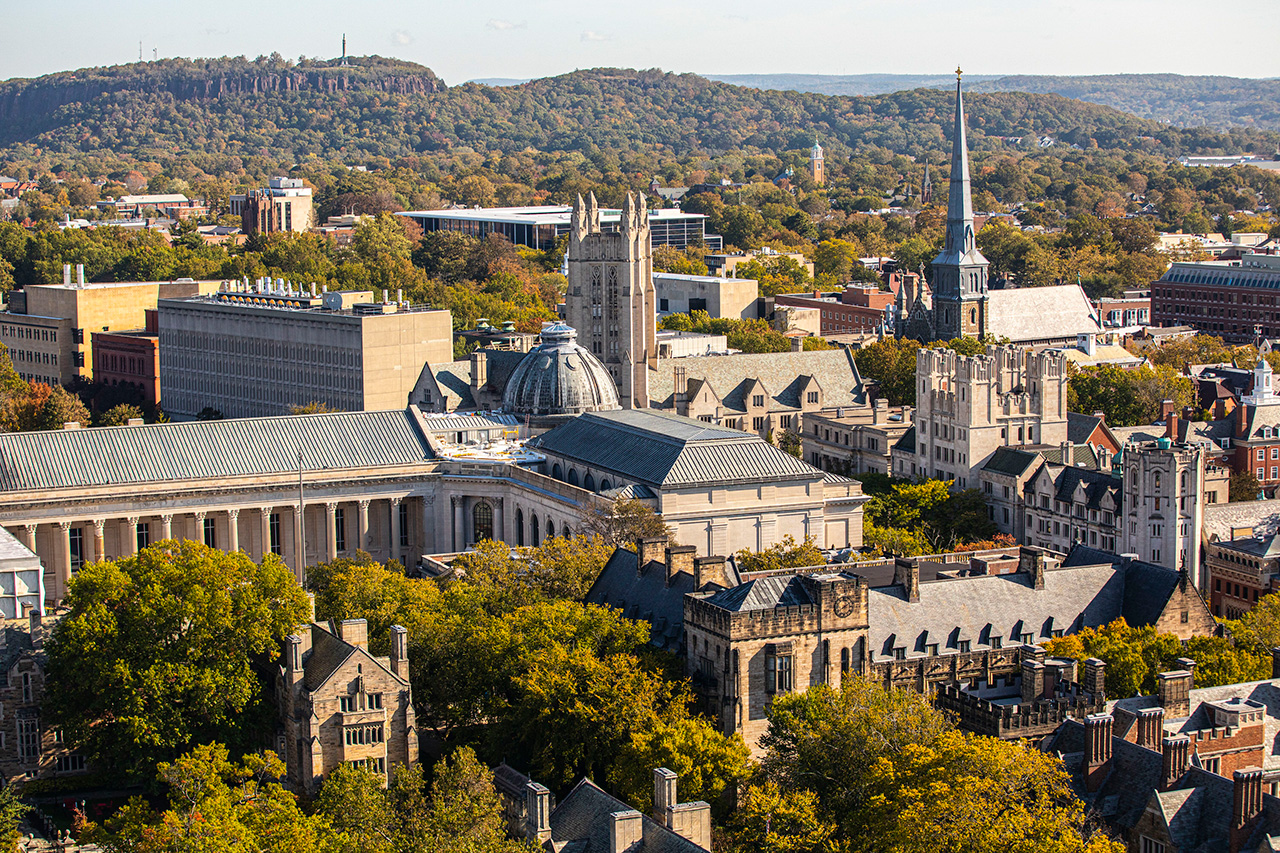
(1134, 656)
(773, 819)
(624, 522)
(12, 810)
(157, 652)
(214, 804)
(708, 762)
(787, 554)
(558, 568)
(891, 362)
(119, 415)
(1243, 486)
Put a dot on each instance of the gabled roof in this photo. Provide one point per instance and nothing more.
(327, 655)
(662, 449)
(207, 450)
(1028, 314)
(644, 596)
(583, 817)
(1094, 489)
(907, 444)
(783, 372)
(766, 593)
(1011, 461)
(1147, 586)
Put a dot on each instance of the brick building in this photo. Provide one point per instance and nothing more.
(341, 705)
(130, 358)
(857, 308)
(1239, 571)
(1234, 300)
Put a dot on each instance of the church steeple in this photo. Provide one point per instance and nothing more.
(959, 270)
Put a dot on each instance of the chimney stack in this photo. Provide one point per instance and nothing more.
(293, 659)
(353, 631)
(1095, 677)
(1246, 805)
(1172, 692)
(650, 549)
(1097, 750)
(537, 804)
(626, 830)
(797, 344)
(709, 570)
(664, 793)
(1188, 665)
(1032, 561)
(1176, 752)
(680, 559)
(80, 275)
(66, 275)
(400, 651)
(906, 573)
(1151, 727)
(1033, 680)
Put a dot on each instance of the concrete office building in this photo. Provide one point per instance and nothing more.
(257, 350)
(48, 328)
(720, 297)
(540, 227)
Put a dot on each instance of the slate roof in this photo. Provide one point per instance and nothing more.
(1080, 427)
(764, 593)
(581, 821)
(782, 373)
(1147, 586)
(1099, 489)
(206, 450)
(978, 607)
(1028, 314)
(1011, 461)
(906, 444)
(644, 596)
(327, 654)
(662, 449)
(1082, 455)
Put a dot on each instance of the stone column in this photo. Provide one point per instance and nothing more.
(99, 539)
(362, 525)
(62, 560)
(331, 530)
(429, 543)
(29, 536)
(457, 504)
(499, 532)
(130, 536)
(393, 548)
(299, 543)
(233, 530)
(166, 527)
(264, 515)
(199, 537)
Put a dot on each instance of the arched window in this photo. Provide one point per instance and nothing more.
(1157, 481)
(605, 485)
(844, 659)
(551, 529)
(589, 482)
(520, 528)
(533, 529)
(573, 476)
(556, 473)
(564, 531)
(482, 521)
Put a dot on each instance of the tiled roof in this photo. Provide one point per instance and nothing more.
(205, 450)
(1099, 489)
(663, 449)
(326, 655)
(583, 816)
(1147, 586)
(1027, 314)
(782, 373)
(644, 596)
(1011, 461)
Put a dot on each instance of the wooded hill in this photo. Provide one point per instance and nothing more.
(1182, 100)
(316, 110)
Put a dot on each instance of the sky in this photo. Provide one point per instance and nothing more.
(538, 38)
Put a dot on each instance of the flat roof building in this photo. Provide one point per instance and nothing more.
(541, 226)
(1235, 300)
(258, 350)
(49, 328)
(734, 298)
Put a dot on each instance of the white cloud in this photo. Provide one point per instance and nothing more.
(401, 38)
(592, 35)
(498, 24)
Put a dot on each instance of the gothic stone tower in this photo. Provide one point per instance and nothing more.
(1163, 482)
(960, 271)
(817, 165)
(610, 300)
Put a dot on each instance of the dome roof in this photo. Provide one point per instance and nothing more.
(558, 377)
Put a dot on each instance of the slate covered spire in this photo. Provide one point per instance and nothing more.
(960, 237)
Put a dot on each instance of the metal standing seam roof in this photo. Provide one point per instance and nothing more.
(208, 450)
(663, 449)
(766, 593)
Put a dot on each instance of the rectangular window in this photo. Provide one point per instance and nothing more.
(273, 524)
(347, 704)
(1150, 845)
(757, 423)
(757, 400)
(404, 525)
(962, 646)
(75, 541)
(143, 535)
(812, 397)
(340, 529)
(26, 687)
(777, 672)
(374, 701)
(29, 739)
(70, 764)
(210, 533)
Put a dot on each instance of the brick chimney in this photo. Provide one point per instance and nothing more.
(906, 572)
(1095, 677)
(651, 549)
(710, 570)
(1151, 727)
(1172, 692)
(1246, 805)
(1032, 561)
(1097, 750)
(537, 804)
(400, 651)
(1176, 752)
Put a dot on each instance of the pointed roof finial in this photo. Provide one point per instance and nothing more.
(958, 72)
